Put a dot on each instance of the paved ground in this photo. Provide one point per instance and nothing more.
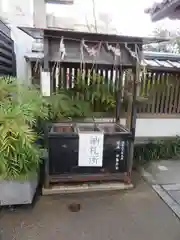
(165, 180)
(138, 214)
(164, 172)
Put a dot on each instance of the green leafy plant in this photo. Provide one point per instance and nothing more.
(96, 91)
(63, 105)
(19, 155)
(157, 150)
(31, 102)
(20, 107)
(8, 85)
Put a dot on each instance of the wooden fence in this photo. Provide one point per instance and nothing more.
(161, 88)
(67, 75)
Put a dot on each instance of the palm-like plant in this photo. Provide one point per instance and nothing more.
(95, 90)
(63, 105)
(20, 106)
(19, 155)
(7, 85)
(30, 100)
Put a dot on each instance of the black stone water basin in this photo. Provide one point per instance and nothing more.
(87, 127)
(111, 128)
(106, 128)
(62, 128)
(63, 147)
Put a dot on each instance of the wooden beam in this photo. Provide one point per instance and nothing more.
(46, 54)
(158, 115)
(65, 178)
(146, 140)
(67, 2)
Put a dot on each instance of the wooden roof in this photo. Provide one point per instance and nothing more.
(168, 62)
(37, 33)
(167, 8)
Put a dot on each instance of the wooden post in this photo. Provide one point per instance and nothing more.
(47, 76)
(119, 95)
(29, 71)
(129, 112)
(46, 68)
(46, 54)
(136, 74)
(46, 182)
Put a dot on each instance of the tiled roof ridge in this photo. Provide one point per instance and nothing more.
(158, 6)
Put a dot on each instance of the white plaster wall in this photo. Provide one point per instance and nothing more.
(157, 127)
(19, 13)
(22, 45)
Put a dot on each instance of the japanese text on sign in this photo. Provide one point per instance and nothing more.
(90, 149)
(120, 145)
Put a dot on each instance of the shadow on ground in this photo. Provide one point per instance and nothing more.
(138, 214)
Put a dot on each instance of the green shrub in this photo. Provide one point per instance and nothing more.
(157, 150)
(63, 105)
(20, 107)
(19, 156)
(95, 90)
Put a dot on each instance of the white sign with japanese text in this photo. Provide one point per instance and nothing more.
(91, 149)
(45, 83)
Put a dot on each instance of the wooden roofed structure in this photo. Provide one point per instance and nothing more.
(109, 56)
(76, 50)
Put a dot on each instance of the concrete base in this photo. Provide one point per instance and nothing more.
(17, 192)
(59, 189)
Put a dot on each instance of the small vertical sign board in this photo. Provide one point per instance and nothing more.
(120, 146)
(91, 149)
(45, 83)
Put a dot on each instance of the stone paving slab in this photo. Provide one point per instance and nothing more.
(165, 180)
(171, 187)
(168, 199)
(138, 214)
(175, 195)
(164, 172)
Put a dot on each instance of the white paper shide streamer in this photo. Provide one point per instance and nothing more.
(113, 49)
(62, 49)
(45, 83)
(91, 51)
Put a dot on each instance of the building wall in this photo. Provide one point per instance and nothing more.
(22, 45)
(157, 127)
(39, 14)
(19, 13)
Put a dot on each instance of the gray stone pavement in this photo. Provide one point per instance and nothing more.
(164, 172)
(137, 214)
(164, 176)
